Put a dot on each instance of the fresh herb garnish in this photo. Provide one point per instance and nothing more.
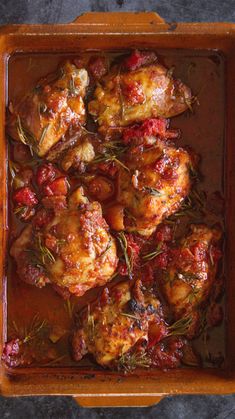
(43, 134)
(131, 316)
(25, 136)
(180, 327)
(124, 246)
(34, 330)
(153, 254)
(128, 362)
(43, 252)
(152, 191)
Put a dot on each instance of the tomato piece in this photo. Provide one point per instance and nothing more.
(167, 353)
(139, 58)
(25, 196)
(57, 187)
(157, 127)
(45, 173)
(157, 331)
(98, 66)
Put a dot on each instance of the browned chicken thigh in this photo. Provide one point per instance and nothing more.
(153, 182)
(44, 115)
(111, 326)
(132, 93)
(74, 250)
(190, 275)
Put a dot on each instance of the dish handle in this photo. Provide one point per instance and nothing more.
(118, 18)
(117, 400)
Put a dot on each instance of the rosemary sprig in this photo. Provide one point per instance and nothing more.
(45, 253)
(193, 203)
(131, 316)
(193, 294)
(28, 333)
(152, 255)
(130, 216)
(109, 245)
(20, 211)
(128, 362)
(180, 327)
(25, 136)
(107, 157)
(152, 191)
(43, 134)
(124, 246)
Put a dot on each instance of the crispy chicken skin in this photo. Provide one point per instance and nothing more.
(44, 115)
(74, 250)
(126, 96)
(111, 326)
(191, 273)
(154, 186)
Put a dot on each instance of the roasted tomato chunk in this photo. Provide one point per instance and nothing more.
(57, 187)
(98, 67)
(45, 173)
(25, 196)
(139, 58)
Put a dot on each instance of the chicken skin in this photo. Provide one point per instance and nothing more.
(190, 275)
(120, 318)
(73, 250)
(132, 93)
(153, 183)
(44, 115)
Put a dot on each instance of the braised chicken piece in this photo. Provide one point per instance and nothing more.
(188, 279)
(113, 325)
(71, 248)
(44, 115)
(137, 89)
(153, 182)
(79, 155)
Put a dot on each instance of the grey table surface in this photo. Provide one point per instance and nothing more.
(60, 11)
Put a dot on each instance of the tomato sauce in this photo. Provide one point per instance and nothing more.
(202, 129)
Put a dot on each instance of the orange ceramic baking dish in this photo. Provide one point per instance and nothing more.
(120, 32)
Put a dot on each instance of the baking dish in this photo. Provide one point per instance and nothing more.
(113, 31)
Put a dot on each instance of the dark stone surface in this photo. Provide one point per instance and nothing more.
(58, 11)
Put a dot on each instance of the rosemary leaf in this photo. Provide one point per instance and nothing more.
(180, 327)
(152, 191)
(152, 255)
(45, 254)
(43, 134)
(129, 315)
(124, 246)
(128, 362)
